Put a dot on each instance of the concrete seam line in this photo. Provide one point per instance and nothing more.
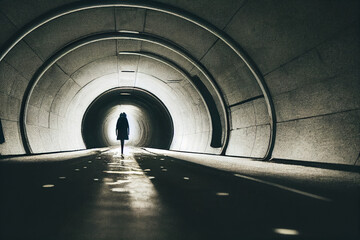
(71, 8)
(96, 38)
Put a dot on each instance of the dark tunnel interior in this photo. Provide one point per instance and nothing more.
(150, 122)
(244, 119)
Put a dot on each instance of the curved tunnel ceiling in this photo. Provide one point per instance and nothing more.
(307, 52)
(202, 91)
(164, 9)
(215, 90)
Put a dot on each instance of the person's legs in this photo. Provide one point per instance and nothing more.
(122, 145)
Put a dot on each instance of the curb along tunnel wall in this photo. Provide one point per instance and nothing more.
(307, 52)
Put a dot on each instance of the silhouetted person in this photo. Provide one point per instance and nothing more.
(122, 130)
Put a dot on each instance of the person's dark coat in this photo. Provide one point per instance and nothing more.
(122, 127)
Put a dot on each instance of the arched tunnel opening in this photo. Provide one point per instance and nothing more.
(149, 120)
(244, 119)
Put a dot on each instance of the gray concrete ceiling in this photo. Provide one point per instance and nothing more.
(302, 60)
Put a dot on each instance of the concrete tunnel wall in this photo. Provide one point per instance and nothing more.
(307, 52)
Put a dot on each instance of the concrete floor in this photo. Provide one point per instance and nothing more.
(156, 195)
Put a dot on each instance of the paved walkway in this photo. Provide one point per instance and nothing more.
(145, 195)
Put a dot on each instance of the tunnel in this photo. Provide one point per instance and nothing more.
(260, 88)
(150, 121)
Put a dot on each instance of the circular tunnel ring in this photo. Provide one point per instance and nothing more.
(148, 100)
(111, 36)
(71, 8)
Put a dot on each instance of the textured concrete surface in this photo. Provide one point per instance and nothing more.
(305, 138)
(308, 53)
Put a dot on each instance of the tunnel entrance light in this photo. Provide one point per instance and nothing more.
(149, 120)
(109, 125)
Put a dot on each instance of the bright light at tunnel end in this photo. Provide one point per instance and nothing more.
(110, 124)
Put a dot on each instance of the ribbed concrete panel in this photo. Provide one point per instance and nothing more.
(235, 80)
(261, 141)
(169, 98)
(54, 74)
(341, 53)
(36, 97)
(128, 65)
(64, 139)
(87, 54)
(197, 105)
(167, 54)
(127, 79)
(64, 96)
(189, 36)
(53, 121)
(7, 78)
(194, 124)
(130, 19)
(55, 140)
(261, 112)
(47, 102)
(56, 104)
(326, 97)
(19, 84)
(32, 117)
(55, 78)
(35, 139)
(216, 12)
(69, 126)
(128, 45)
(241, 141)
(205, 81)
(4, 103)
(43, 118)
(337, 55)
(49, 85)
(305, 70)
(274, 32)
(45, 136)
(194, 142)
(24, 60)
(7, 29)
(13, 105)
(250, 126)
(94, 70)
(243, 116)
(333, 138)
(158, 69)
(180, 103)
(12, 144)
(52, 36)
(22, 11)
